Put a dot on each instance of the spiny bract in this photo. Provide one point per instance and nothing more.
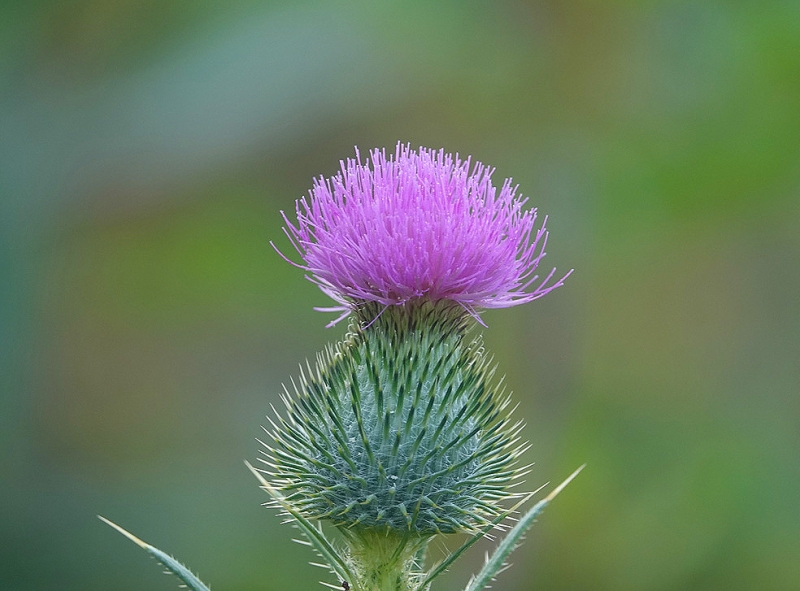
(400, 427)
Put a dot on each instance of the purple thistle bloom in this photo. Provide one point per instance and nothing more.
(419, 225)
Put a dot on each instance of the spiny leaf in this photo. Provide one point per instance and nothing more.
(172, 565)
(494, 564)
(445, 564)
(314, 535)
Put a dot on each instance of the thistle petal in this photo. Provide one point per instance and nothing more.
(419, 224)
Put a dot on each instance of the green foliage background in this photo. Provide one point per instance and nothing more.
(146, 324)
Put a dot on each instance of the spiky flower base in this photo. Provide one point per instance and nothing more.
(399, 429)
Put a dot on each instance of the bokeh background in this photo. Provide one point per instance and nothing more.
(147, 146)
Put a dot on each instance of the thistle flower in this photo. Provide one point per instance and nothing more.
(423, 224)
(400, 433)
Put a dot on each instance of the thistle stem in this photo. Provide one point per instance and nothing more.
(386, 561)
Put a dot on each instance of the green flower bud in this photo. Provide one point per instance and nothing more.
(399, 429)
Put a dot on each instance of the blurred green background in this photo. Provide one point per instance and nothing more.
(147, 146)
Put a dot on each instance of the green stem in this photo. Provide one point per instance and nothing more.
(386, 561)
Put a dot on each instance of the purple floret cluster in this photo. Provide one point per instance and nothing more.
(419, 224)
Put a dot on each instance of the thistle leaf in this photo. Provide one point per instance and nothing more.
(314, 535)
(176, 568)
(445, 564)
(494, 565)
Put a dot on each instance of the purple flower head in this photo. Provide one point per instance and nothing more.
(423, 224)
